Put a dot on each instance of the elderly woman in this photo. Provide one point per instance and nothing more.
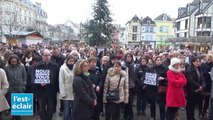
(175, 96)
(84, 95)
(4, 85)
(116, 79)
(66, 85)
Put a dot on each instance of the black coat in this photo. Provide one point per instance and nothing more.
(193, 81)
(84, 96)
(140, 76)
(103, 71)
(49, 90)
(206, 68)
(95, 77)
(59, 60)
(160, 70)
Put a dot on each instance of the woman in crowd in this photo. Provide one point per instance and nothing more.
(140, 86)
(206, 69)
(175, 96)
(17, 77)
(84, 95)
(152, 90)
(4, 85)
(95, 77)
(129, 65)
(66, 85)
(116, 78)
(195, 86)
(27, 60)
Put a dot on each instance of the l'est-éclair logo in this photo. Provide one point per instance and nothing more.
(22, 104)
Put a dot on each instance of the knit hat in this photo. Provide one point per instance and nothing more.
(174, 61)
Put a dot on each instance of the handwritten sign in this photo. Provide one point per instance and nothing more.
(150, 79)
(42, 76)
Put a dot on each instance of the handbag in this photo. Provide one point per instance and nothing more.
(113, 95)
(162, 89)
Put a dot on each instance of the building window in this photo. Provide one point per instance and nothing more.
(142, 37)
(207, 22)
(135, 20)
(185, 35)
(199, 23)
(147, 29)
(165, 18)
(135, 28)
(161, 38)
(151, 29)
(161, 29)
(178, 25)
(186, 24)
(151, 38)
(134, 36)
(178, 35)
(149, 21)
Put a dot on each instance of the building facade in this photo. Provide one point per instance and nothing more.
(21, 15)
(164, 29)
(195, 24)
(133, 31)
(148, 33)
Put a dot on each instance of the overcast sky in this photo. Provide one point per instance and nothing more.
(122, 10)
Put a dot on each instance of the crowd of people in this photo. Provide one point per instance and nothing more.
(92, 82)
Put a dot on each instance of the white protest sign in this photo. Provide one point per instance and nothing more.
(151, 79)
(42, 76)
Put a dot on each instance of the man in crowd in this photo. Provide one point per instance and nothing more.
(46, 79)
(58, 58)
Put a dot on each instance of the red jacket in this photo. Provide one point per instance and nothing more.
(175, 96)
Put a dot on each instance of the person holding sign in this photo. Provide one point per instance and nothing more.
(153, 79)
(4, 85)
(176, 83)
(45, 76)
(141, 90)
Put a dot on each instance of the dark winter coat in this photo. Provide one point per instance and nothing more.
(193, 81)
(95, 77)
(130, 70)
(49, 90)
(84, 96)
(17, 78)
(161, 72)
(140, 77)
(206, 69)
(59, 60)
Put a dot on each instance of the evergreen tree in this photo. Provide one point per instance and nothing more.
(99, 29)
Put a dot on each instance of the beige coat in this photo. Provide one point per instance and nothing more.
(4, 85)
(112, 80)
(66, 83)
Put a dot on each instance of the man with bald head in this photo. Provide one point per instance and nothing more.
(45, 79)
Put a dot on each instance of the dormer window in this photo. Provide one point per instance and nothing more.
(164, 17)
(149, 21)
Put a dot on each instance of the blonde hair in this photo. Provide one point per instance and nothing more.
(78, 67)
(209, 56)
